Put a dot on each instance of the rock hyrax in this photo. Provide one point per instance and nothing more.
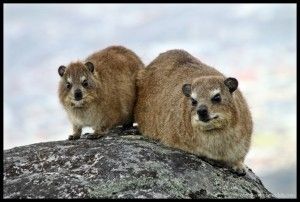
(189, 105)
(100, 92)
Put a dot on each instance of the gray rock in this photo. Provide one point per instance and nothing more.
(119, 165)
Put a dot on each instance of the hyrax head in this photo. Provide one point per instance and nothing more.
(211, 102)
(77, 84)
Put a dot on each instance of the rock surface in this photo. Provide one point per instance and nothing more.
(119, 165)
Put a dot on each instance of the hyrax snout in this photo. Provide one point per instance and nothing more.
(100, 91)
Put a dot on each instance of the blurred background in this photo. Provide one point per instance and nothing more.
(256, 43)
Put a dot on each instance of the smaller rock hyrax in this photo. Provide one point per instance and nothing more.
(189, 105)
(100, 92)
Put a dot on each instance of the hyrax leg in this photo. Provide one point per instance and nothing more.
(99, 132)
(239, 168)
(76, 133)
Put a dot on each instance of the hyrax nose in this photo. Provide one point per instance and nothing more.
(77, 95)
(202, 111)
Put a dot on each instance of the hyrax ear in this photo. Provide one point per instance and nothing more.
(90, 66)
(231, 83)
(61, 70)
(187, 90)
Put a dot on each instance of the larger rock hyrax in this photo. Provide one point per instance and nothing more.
(100, 92)
(189, 105)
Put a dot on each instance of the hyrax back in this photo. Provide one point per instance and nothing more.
(191, 106)
(100, 91)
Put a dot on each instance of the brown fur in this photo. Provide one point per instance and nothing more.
(109, 99)
(164, 113)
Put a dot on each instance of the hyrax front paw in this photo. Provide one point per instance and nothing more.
(92, 136)
(74, 137)
(239, 168)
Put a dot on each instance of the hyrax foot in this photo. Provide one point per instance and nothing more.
(93, 136)
(98, 132)
(74, 137)
(76, 133)
(239, 168)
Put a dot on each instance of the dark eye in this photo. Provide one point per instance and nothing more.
(85, 83)
(194, 102)
(216, 98)
(68, 85)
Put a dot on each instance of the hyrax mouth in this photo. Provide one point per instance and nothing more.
(210, 123)
(214, 123)
(208, 118)
(77, 104)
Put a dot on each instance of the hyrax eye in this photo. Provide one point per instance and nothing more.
(194, 102)
(68, 85)
(85, 83)
(217, 98)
